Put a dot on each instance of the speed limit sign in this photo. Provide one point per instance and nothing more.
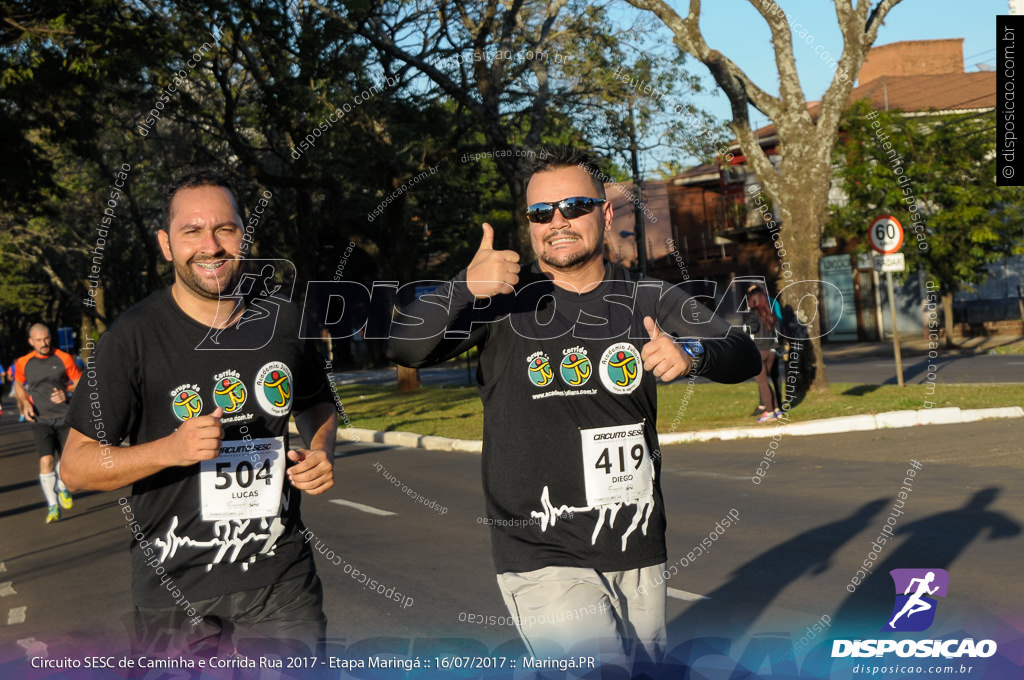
(886, 234)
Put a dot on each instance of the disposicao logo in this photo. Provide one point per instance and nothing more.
(914, 611)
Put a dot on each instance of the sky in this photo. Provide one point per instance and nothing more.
(736, 29)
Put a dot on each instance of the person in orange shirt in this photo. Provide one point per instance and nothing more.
(43, 382)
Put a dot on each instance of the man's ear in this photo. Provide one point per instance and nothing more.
(164, 240)
(609, 213)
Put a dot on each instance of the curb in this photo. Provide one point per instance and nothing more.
(860, 423)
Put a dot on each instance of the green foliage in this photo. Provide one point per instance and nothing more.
(936, 174)
(451, 411)
(250, 88)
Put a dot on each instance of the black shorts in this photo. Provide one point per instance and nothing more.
(50, 436)
(285, 619)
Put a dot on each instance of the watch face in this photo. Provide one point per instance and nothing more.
(693, 348)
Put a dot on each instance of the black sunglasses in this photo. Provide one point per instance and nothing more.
(571, 208)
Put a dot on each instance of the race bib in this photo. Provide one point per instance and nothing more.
(617, 468)
(244, 481)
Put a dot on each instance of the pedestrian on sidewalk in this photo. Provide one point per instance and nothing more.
(761, 324)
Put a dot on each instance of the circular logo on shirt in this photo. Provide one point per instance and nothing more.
(229, 391)
(186, 402)
(274, 388)
(620, 368)
(540, 369)
(575, 367)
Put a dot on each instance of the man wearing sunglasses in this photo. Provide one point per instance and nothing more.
(570, 347)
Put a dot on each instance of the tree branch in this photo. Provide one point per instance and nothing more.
(730, 77)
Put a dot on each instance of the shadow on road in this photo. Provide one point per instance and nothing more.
(19, 485)
(41, 505)
(736, 605)
(62, 546)
(934, 542)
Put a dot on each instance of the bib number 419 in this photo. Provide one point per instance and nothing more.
(605, 460)
(616, 465)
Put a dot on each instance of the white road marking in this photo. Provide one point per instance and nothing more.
(16, 615)
(685, 596)
(365, 508)
(34, 647)
(7, 589)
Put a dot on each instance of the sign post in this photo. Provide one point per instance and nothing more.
(886, 237)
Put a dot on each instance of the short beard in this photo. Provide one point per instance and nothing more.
(191, 282)
(573, 261)
(576, 260)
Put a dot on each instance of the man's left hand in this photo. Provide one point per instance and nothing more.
(313, 471)
(662, 356)
(58, 396)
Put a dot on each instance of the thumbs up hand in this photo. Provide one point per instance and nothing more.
(662, 356)
(492, 272)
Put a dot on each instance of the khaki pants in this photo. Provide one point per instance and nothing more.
(615, 615)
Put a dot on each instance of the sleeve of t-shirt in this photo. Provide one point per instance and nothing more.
(311, 386)
(19, 369)
(108, 398)
(439, 326)
(69, 367)
(730, 356)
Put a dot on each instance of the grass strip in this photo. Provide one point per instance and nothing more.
(456, 411)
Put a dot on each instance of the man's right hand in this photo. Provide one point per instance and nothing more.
(197, 439)
(492, 272)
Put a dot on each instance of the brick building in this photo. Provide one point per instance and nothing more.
(707, 217)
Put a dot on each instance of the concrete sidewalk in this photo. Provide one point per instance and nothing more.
(859, 423)
(915, 345)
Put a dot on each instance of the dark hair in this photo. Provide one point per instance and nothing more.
(191, 178)
(553, 158)
(758, 302)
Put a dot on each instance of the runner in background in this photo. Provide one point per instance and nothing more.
(43, 381)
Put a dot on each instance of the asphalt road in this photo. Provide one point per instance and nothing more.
(949, 368)
(801, 535)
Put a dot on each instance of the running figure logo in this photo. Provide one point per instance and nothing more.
(620, 368)
(539, 369)
(575, 367)
(915, 611)
(255, 301)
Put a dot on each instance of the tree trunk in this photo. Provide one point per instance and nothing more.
(408, 379)
(92, 325)
(800, 191)
(947, 313)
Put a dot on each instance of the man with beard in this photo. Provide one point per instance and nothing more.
(217, 555)
(570, 346)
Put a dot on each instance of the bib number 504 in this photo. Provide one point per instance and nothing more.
(244, 474)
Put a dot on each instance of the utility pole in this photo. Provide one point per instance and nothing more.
(638, 215)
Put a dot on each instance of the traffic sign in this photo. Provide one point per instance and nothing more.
(894, 262)
(885, 234)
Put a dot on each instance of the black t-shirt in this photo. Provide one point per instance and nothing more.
(221, 526)
(571, 466)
